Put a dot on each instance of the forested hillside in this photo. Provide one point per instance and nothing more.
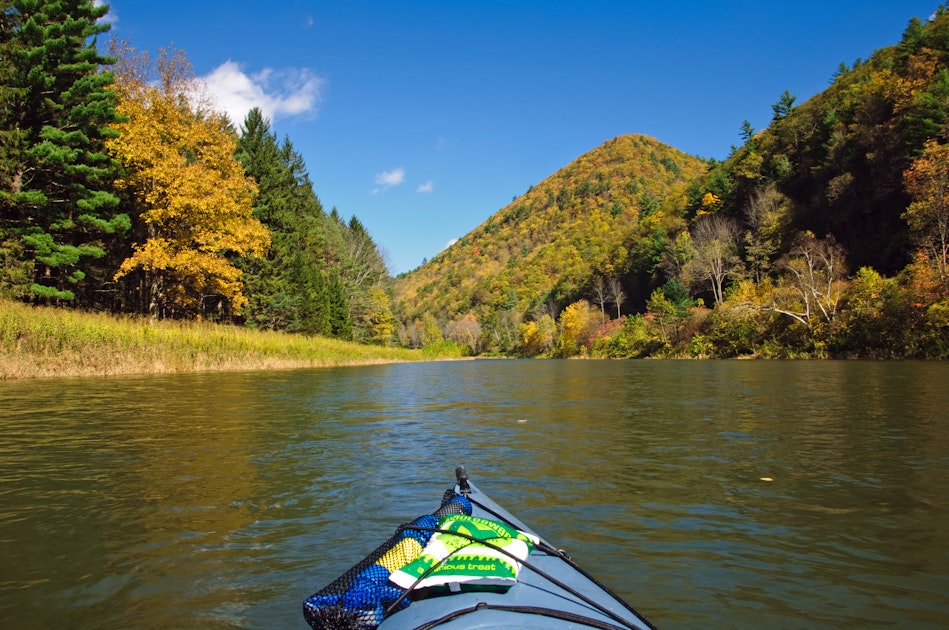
(580, 229)
(839, 159)
(826, 234)
(122, 190)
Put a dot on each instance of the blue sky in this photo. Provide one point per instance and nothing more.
(424, 118)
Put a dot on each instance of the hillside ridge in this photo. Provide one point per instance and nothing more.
(546, 244)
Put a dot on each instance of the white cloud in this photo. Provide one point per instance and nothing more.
(427, 187)
(110, 17)
(278, 93)
(388, 179)
(450, 243)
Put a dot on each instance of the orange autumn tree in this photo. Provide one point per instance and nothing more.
(191, 198)
(927, 182)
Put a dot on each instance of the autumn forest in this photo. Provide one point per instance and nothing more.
(825, 235)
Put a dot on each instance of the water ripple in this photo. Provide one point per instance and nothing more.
(725, 494)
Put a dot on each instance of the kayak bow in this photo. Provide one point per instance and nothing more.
(471, 564)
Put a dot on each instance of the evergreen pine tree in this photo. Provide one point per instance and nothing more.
(270, 303)
(16, 271)
(313, 298)
(341, 324)
(286, 291)
(58, 214)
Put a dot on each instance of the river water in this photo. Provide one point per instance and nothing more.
(716, 494)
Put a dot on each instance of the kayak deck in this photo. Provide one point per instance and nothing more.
(550, 591)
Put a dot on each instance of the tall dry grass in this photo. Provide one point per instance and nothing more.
(40, 342)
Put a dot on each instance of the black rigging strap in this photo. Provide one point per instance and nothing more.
(530, 610)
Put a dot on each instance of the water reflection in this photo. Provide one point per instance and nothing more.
(223, 500)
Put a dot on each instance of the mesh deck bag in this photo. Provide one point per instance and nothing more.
(360, 596)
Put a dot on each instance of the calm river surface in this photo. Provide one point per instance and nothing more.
(223, 500)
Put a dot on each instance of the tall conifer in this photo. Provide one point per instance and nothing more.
(282, 287)
(58, 213)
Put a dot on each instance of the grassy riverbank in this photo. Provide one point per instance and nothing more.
(41, 342)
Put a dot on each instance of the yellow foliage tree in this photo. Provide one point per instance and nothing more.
(665, 314)
(538, 336)
(382, 322)
(192, 199)
(431, 331)
(530, 338)
(710, 203)
(577, 323)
